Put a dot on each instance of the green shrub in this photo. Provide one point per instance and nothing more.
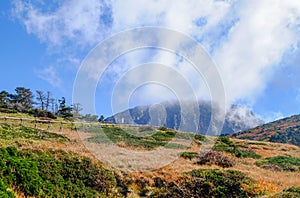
(20, 172)
(225, 144)
(6, 110)
(9, 132)
(163, 136)
(4, 192)
(41, 113)
(188, 155)
(163, 128)
(208, 183)
(225, 140)
(293, 192)
(216, 183)
(199, 138)
(245, 154)
(54, 174)
(285, 162)
(132, 138)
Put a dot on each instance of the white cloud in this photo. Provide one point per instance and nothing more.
(49, 74)
(256, 45)
(75, 21)
(248, 39)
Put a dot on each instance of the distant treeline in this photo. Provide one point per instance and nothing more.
(41, 104)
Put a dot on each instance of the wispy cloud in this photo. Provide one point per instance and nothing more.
(271, 116)
(75, 23)
(50, 75)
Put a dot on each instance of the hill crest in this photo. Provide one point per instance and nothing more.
(286, 130)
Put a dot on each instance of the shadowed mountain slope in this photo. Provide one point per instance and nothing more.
(194, 119)
(285, 130)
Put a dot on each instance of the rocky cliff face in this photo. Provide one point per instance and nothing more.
(188, 117)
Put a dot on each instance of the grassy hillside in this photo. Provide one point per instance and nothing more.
(56, 163)
(54, 174)
(137, 137)
(286, 130)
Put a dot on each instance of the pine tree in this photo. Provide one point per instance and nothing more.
(64, 111)
(22, 100)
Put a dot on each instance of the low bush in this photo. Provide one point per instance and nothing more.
(6, 110)
(199, 137)
(209, 183)
(245, 154)
(9, 132)
(163, 128)
(132, 139)
(188, 155)
(4, 192)
(225, 144)
(285, 163)
(214, 157)
(41, 113)
(164, 136)
(54, 174)
(293, 192)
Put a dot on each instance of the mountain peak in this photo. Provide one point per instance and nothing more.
(196, 118)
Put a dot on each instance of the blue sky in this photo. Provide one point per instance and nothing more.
(255, 45)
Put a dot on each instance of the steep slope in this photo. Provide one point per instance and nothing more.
(286, 130)
(169, 114)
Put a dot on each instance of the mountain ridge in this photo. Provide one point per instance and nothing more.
(286, 130)
(237, 118)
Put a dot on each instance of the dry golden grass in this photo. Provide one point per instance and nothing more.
(270, 149)
(267, 180)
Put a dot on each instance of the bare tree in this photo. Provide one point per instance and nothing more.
(47, 101)
(77, 108)
(53, 105)
(41, 99)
